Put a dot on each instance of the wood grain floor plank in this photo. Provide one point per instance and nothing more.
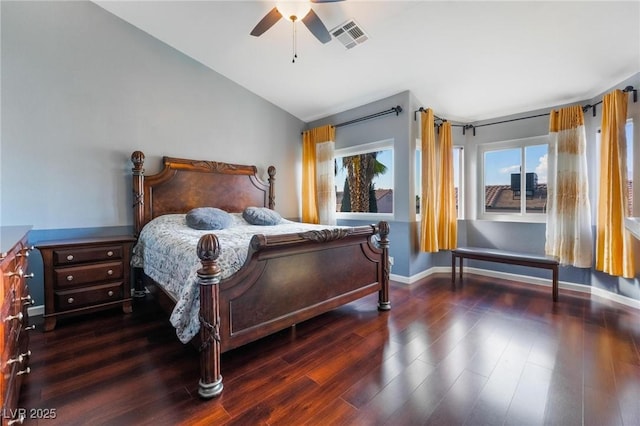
(493, 352)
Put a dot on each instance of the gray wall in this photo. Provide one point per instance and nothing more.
(82, 89)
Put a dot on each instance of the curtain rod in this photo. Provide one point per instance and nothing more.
(466, 127)
(396, 109)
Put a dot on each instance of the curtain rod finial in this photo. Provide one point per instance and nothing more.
(635, 92)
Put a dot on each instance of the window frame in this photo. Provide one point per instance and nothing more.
(382, 145)
(521, 144)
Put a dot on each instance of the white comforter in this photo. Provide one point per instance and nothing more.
(166, 250)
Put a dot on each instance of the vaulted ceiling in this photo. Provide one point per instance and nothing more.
(468, 60)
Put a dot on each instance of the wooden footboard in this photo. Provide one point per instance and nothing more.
(287, 279)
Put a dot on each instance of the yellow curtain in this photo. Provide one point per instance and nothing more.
(447, 214)
(428, 208)
(613, 242)
(309, 192)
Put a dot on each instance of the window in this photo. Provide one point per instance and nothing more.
(514, 179)
(630, 171)
(457, 177)
(364, 180)
(629, 136)
(458, 168)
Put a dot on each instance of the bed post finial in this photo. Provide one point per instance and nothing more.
(137, 158)
(384, 304)
(272, 188)
(209, 276)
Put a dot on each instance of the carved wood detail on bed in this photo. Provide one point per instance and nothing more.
(286, 279)
(185, 184)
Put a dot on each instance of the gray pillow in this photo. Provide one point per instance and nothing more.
(207, 218)
(261, 216)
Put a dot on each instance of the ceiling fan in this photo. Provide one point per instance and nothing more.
(292, 10)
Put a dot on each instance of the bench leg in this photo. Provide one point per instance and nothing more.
(453, 271)
(555, 284)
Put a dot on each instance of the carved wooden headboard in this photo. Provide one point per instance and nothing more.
(186, 184)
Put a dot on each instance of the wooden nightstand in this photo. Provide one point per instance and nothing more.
(85, 275)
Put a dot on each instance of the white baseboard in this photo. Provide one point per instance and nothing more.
(627, 301)
(414, 278)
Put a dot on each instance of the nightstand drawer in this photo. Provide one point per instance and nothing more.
(77, 275)
(72, 299)
(88, 254)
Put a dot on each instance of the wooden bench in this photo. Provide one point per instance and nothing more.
(502, 256)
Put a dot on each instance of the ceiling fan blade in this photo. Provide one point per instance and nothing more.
(317, 28)
(267, 22)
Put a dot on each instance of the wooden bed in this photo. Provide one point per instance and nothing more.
(286, 278)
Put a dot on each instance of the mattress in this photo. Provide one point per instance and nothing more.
(166, 251)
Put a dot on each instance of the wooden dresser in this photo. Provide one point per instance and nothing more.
(15, 300)
(85, 275)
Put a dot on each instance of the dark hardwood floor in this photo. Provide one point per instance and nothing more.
(491, 353)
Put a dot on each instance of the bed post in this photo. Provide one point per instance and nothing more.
(272, 188)
(137, 158)
(209, 275)
(383, 296)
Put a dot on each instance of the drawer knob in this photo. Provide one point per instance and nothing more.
(110, 293)
(110, 272)
(19, 317)
(25, 251)
(70, 257)
(17, 359)
(27, 276)
(27, 300)
(17, 421)
(31, 327)
(70, 300)
(25, 371)
(19, 273)
(69, 277)
(110, 253)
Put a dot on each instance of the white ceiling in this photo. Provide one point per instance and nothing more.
(468, 61)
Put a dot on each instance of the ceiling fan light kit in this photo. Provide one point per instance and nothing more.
(295, 11)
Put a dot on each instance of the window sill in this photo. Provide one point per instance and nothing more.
(513, 218)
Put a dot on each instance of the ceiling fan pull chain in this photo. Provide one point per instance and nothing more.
(295, 42)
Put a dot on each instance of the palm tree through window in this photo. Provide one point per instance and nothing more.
(364, 182)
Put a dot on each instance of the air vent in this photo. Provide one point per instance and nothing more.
(350, 34)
